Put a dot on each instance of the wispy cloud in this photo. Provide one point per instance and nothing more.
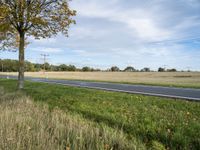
(148, 22)
(46, 50)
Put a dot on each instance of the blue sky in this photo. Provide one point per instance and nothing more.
(140, 33)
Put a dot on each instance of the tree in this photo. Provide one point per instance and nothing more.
(37, 67)
(29, 66)
(171, 70)
(86, 69)
(161, 69)
(129, 69)
(36, 18)
(63, 67)
(145, 69)
(114, 69)
(71, 68)
(46, 66)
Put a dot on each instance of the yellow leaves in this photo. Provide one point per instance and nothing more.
(4, 25)
(3, 11)
(39, 20)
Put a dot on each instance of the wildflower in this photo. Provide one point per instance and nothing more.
(168, 130)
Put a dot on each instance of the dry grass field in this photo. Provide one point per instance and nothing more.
(179, 79)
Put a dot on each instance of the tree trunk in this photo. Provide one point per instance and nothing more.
(21, 61)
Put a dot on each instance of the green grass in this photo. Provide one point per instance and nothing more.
(27, 125)
(152, 120)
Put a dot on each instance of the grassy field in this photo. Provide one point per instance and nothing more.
(154, 121)
(177, 79)
(25, 125)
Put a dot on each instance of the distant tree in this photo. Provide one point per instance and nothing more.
(114, 69)
(129, 69)
(29, 66)
(145, 69)
(37, 67)
(71, 68)
(171, 70)
(63, 67)
(35, 18)
(161, 69)
(12, 66)
(9, 65)
(46, 66)
(86, 69)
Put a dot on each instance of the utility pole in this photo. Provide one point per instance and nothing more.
(44, 59)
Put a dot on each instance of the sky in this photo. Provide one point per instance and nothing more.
(138, 33)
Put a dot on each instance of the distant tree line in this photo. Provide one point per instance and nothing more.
(166, 70)
(8, 65)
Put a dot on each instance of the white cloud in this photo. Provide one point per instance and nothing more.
(87, 32)
(47, 50)
(140, 22)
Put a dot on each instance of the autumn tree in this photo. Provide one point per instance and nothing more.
(36, 18)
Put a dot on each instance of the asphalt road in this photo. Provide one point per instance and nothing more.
(177, 93)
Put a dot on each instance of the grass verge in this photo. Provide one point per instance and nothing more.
(152, 120)
(27, 125)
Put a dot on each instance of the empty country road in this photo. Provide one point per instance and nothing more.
(170, 92)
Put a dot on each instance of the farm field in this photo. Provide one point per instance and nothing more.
(174, 79)
(149, 122)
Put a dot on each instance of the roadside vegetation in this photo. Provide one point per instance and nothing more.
(28, 125)
(156, 122)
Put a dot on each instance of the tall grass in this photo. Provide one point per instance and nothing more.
(26, 125)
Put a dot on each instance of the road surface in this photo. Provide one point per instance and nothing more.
(170, 92)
